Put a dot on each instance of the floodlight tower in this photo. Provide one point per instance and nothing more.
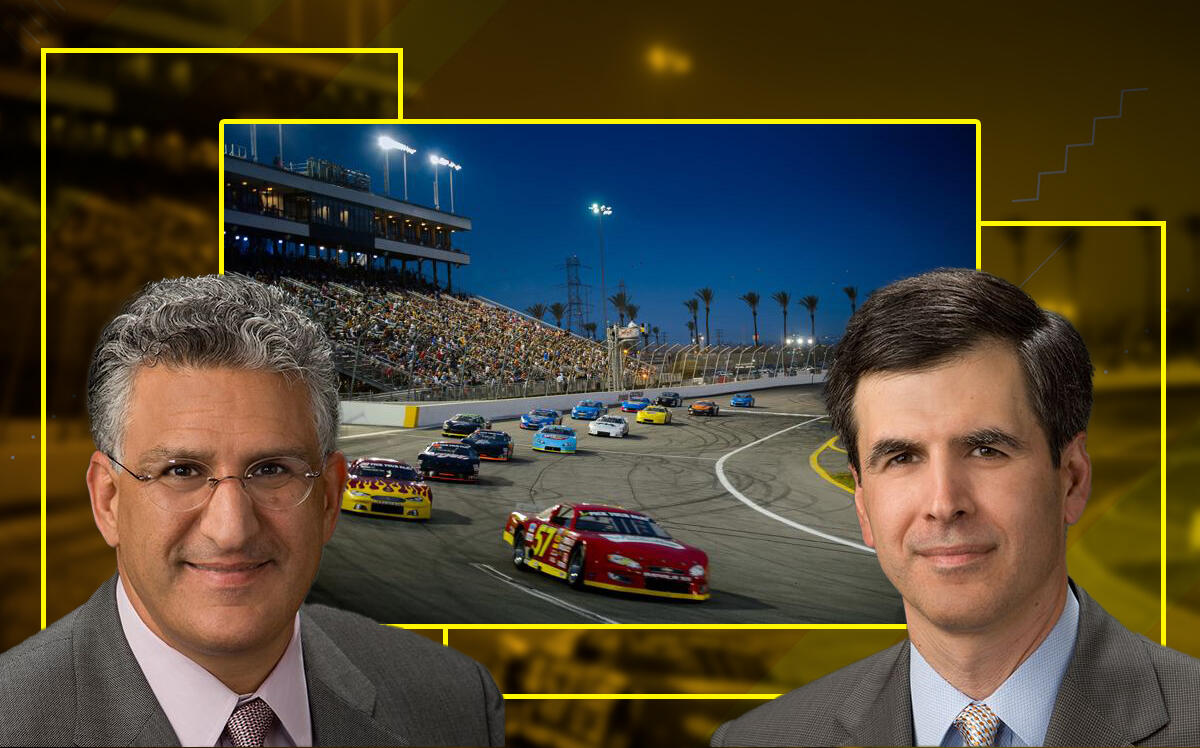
(600, 212)
(388, 144)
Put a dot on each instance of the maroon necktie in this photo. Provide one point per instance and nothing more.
(249, 723)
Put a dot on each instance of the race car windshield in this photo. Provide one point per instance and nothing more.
(620, 524)
(613, 421)
(452, 449)
(544, 413)
(388, 472)
(489, 436)
(559, 432)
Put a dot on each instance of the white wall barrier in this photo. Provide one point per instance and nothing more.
(432, 414)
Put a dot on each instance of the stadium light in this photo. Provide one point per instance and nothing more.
(600, 212)
(451, 167)
(388, 144)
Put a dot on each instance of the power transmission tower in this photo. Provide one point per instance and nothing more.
(576, 309)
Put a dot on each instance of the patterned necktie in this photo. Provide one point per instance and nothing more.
(977, 724)
(249, 723)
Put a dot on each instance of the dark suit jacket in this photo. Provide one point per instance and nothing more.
(78, 683)
(1119, 689)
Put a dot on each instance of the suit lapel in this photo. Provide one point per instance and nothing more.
(340, 697)
(880, 713)
(114, 703)
(1110, 693)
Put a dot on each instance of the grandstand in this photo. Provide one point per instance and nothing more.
(398, 337)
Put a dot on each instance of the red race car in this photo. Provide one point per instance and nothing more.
(609, 547)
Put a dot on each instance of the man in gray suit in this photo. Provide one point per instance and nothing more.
(963, 408)
(214, 409)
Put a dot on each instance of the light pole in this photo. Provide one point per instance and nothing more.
(451, 167)
(387, 144)
(601, 211)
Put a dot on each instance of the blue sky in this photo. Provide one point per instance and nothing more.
(807, 209)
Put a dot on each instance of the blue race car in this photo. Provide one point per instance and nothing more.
(555, 439)
(539, 417)
(588, 410)
(742, 400)
(634, 404)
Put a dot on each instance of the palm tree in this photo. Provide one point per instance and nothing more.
(620, 300)
(810, 303)
(558, 310)
(752, 300)
(693, 306)
(590, 328)
(706, 295)
(852, 292)
(632, 310)
(692, 330)
(537, 311)
(784, 299)
(655, 331)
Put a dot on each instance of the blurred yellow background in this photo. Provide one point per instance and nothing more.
(132, 151)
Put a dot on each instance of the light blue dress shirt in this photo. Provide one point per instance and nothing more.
(1024, 702)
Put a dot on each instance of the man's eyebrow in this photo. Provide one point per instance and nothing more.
(207, 455)
(887, 446)
(988, 437)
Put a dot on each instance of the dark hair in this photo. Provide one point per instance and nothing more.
(920, 322)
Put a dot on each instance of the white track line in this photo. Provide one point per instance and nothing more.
(720, 467)
(497, 574)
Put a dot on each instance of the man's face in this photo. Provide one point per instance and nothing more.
(226, 578)
(957, 491)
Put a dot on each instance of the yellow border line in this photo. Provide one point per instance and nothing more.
(814, 462)
(42, 396)
(399, 52)
(641, 696)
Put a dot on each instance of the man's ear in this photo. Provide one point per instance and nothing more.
(860, 509)
(1075, 477)
(333, 482)
(104, 493)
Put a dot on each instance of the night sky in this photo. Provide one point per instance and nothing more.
(806, 209)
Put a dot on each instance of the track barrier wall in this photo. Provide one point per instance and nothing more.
(400, 415)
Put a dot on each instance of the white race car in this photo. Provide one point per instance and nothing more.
(609, 426)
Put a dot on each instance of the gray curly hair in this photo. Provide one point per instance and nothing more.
(211, 321)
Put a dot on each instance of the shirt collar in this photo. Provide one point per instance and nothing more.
(1024, 702)
(196, 703)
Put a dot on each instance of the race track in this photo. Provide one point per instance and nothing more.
(456, 569)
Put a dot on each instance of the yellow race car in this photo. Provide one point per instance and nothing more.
(386, 488)
(654, 414)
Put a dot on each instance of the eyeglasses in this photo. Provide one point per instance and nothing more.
(181, 485)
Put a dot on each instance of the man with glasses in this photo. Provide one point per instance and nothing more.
(217, 480)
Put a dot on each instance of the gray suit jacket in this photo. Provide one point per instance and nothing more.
(78, 683)
(1119, 689)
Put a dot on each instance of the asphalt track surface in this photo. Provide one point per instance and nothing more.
(456, 568)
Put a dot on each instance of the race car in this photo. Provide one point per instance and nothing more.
(669, 399)
(742, 400)
(654, 414)
(703, 408)
(609, 426)
(555, 439)
(588, 410)
(464, 424)
(449, 461)
(386, 488)
(599, 545)
(491, 445)
(539, 417)
(634, 404)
